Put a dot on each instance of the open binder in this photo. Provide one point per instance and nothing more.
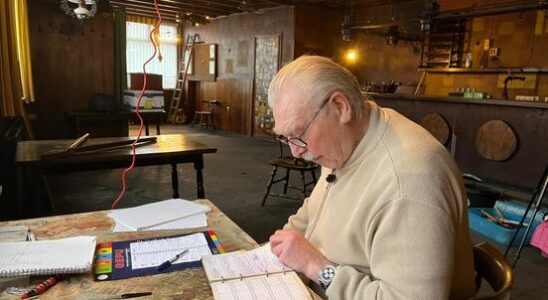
(255, 274)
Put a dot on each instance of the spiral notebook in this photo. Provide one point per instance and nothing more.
(47, 257)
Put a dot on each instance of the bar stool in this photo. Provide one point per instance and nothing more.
(207, 114)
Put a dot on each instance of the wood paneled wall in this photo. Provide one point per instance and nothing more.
(233, 115)
(71, 62)
(523, 169)
(235, 36)
(317, 31)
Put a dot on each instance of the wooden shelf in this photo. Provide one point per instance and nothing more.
(487, 70)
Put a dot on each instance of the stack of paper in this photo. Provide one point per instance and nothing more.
(168, 214)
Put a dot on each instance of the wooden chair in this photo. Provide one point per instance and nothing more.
(492, 266)
(290, 163)
(207, 114)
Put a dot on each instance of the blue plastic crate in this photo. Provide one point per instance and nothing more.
(512, 210)
(518, 208)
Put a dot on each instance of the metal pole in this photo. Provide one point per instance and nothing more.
(541, 190)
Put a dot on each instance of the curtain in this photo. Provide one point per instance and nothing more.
(139, 50)
(15, 64)
(120, 75)
(155, 36)
(142, 20)
(23, 50)
(10, 80)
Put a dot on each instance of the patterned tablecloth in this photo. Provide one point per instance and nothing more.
(187, 284)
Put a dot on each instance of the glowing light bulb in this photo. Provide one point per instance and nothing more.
(351, 55)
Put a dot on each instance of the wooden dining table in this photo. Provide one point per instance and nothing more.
(169, 149)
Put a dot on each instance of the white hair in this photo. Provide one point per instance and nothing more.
(317, 78)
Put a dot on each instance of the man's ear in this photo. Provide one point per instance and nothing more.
(343, 107)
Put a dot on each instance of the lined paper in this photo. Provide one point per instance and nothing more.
(152, 253)
(231, 265)
(61, 256)
(275, 287)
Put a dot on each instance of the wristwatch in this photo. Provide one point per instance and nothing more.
(327, 273)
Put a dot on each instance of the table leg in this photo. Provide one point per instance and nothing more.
(22, 176)
(146, 127)
(198, 166)
(158, 124)
(174, 181)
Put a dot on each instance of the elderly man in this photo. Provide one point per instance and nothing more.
(388, 217)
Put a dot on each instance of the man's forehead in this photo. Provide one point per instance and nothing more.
(287, 111)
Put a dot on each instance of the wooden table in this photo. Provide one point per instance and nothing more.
(186, 284)
(169, 149)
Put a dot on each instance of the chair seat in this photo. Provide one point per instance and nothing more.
(290, 163)
(206, 116)
(200, 112)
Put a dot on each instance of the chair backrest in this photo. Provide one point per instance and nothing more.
(296, 161)
(491, 265)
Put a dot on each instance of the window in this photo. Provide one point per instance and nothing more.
(139, 48)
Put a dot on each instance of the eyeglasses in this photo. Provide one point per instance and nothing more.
(298, 141)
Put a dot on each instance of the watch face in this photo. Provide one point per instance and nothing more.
(326, 275)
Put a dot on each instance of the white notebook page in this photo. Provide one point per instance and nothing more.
(231, 265)
(61, 256)
(275, 287)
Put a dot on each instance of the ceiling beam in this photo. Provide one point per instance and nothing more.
(180, 7)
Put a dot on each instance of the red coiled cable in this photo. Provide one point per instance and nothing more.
(124, 172)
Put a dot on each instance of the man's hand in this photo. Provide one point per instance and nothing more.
(296, 252)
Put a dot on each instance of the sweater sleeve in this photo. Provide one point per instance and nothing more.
(410, 246)
(299, 221)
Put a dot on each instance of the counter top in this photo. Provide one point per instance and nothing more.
(502, 102)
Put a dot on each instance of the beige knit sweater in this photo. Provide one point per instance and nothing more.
(395, 219)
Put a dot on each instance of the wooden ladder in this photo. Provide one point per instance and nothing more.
(176, 114)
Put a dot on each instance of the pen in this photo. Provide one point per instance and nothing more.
(168, 263)
(41, 288)
(133, 295)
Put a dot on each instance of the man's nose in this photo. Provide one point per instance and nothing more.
(297, 151)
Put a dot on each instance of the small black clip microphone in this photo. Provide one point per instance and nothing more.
(330, 178)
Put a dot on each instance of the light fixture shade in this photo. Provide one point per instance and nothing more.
(82, 11)
(85, 9)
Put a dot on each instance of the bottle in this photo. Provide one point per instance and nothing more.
(468, 61)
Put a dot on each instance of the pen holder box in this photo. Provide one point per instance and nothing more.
(513, 211)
